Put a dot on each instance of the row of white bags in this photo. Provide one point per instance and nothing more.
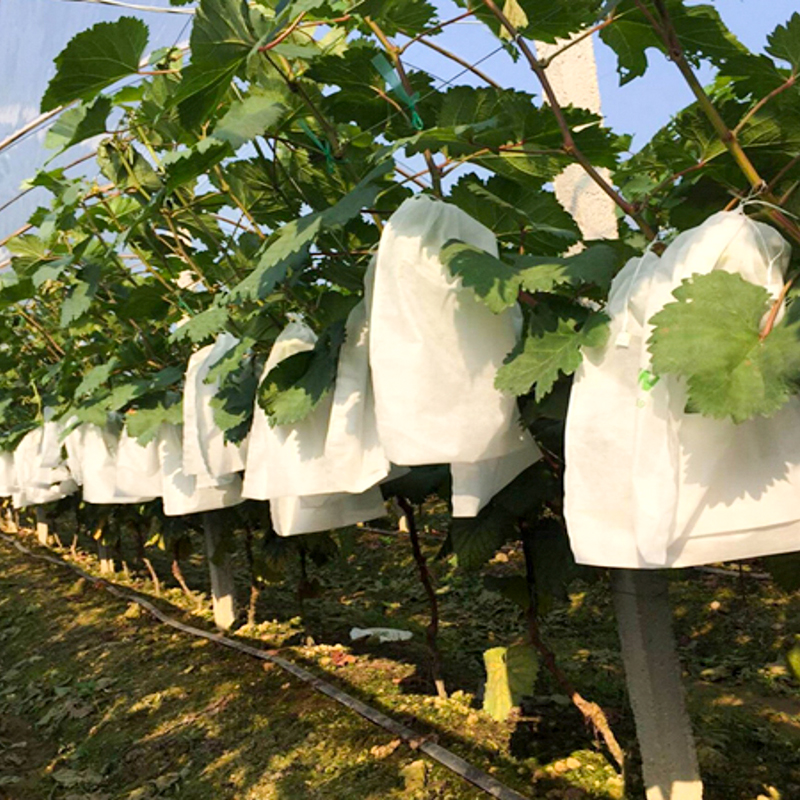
(649, 485)
(414, 385)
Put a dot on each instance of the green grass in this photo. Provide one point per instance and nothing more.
(121, 707)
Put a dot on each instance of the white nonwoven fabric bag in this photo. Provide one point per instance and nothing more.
(292, 516)
(138, 470)
(318, 474)
(434, 350)
(112, 468)
(8, 475)
(206, 454)
(180, 492)
(35, 483)
(648, 485)
(335, 448)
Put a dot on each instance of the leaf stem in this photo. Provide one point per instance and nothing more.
(394, 54)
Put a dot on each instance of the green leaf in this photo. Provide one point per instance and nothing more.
(495, 282)
(221, 40)
(183, 166)
(51, 270)
(545, 353)
(202, 326)
(233, 403)
(289, 246)
(81, 294)
(94, 59)
(127, 168)
(143, 424)
(394, 16)
(785, 570)
(249, 118)
(96, 377)
(78, 123)
(711, 336)
(784, 42)
(476, 539)
(517, 214)
(700, 30)
(294, 388)
(134, 388)
(510, 675)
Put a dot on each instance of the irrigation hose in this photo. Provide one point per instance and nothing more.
(449, 760)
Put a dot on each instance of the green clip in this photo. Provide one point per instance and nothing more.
(182, 304)
(389, 74)
(323, 146)
(647, 380)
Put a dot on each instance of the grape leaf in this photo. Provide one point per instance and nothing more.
(94, 59)
(96, 377)
(784, 42)
(143, 424)
(545, 353)
(202, 325)
(710, 336)
(78, 123)
(510, 675)
(293, 389)
(288, 247)
(700, 30)
(81, 294)
(495, 282)
(249, 118)
(475, 540)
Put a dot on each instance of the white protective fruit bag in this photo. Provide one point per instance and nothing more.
(180, 492)
(434, 350)
(112, 468)
(8, 475)
(138, 470)
(206, 454)
(37, 484)
(320, 473)
(648, 485)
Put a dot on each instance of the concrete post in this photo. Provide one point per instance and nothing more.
(42, 527)
(106, 559)
(223, 593)
(643, 612)
(10, 520)
(653, 673)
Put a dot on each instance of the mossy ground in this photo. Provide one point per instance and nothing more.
(97, 701)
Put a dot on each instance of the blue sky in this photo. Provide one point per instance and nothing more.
(32, 32)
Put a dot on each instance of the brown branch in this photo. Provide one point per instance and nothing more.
(790, 81)
(569, 143)
(545, 62)
(54, 347)
(283, 35)
(592, 713)
(425, 578)
(666, 30)
(774, 182)
(773, 312)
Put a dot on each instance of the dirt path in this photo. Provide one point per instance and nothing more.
(98, 702)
